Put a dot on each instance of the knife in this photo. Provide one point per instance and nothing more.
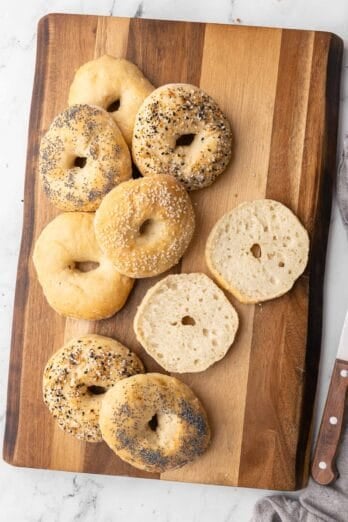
(324, 470)
(342, 183)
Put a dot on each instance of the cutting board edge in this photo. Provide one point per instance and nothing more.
(11, 428)
(314, 336)
(48, 16)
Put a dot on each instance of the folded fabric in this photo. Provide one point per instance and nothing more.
(315, 503)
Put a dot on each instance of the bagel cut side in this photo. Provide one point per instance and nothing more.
(186, 323)
(257, 250)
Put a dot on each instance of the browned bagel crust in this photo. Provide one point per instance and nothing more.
(107, 80)
(182, 433)
(89, 133)
(145, 225)
(65, 242)
(91, 362)
(177, 110)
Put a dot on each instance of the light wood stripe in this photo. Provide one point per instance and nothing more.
(111, 41)
(225, 383)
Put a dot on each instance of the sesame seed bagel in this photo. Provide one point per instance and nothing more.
(76, 378)
(154, 422)
(82, 157)
(64, 251)
(167, 121)
(145, 225)
(114, 84)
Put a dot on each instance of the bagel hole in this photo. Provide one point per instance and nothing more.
(185, 140)
(153, 423)
(80, 162)
(86, 266)
(114, 106)
(145, 228)
(188, 321)
(256, 250)
(135, 172)
(96, 390)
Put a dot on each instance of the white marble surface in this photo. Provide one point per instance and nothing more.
(35, 495)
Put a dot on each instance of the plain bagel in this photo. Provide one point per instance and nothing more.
(114, 84)
(180, 130)
(61, 254)
(82, 157)
(145, 225)
(76, 378)
(154, 422)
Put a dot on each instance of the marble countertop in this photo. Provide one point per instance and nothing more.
(36, 495)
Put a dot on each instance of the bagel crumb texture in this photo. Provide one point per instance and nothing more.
(174, 111)
(158, 200)
(83, 366)
(186, 323)
(182, 433)
(257, 250)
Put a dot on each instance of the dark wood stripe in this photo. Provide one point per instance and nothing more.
(150, 46)
(321, 211)
(15, 370)
(167, 52)
(272, 410)
(288, 117)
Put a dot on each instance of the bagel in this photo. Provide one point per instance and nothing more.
(114, 84)
(64, 250)
(186, 323)
(82, 157)
(257, 250)
(154, 422)
(168, 119)
(145, 225)
(76, 378)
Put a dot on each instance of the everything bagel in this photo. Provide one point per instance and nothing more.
(181, 131)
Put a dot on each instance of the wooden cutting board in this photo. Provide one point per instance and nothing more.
(280, 91)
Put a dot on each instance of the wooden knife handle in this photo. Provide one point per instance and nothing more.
(324, 469)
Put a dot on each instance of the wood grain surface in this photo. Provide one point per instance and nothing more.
(279, 89)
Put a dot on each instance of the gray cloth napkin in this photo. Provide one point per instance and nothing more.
(315, 503)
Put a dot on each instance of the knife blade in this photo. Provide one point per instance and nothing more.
(324, 469)
(342, 183)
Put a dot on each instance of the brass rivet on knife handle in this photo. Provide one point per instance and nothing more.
(324, 469)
